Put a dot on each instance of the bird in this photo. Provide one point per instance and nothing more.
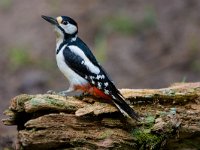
(78, 64)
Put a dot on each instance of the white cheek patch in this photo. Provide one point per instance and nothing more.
(69, 28)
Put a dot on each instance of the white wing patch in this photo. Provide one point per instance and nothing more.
(94, 69)
(113, 97)
(92, 77)
(93, 82)
(106, 84)
(100, 77)
(99, 85)
(106, 91)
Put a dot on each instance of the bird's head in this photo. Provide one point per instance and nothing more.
(65, 27)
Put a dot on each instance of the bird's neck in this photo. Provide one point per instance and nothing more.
(60, 40)
(66, 37)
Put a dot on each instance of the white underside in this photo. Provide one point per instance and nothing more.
(73, 77)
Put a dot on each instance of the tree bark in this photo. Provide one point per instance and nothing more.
(49, 121)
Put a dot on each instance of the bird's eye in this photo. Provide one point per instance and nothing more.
(65, 22)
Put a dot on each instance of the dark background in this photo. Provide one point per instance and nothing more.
(141, 44)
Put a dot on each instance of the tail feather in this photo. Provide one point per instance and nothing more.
(124, 107)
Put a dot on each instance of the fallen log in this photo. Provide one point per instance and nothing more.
(49, 121)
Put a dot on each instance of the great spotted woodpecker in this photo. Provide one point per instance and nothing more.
(78, 64)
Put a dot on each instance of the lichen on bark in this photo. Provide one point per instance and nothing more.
(48, 121)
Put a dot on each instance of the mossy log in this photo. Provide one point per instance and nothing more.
(171, 116)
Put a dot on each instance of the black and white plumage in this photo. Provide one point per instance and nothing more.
(78, 64)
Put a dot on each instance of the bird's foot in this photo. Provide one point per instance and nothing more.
(51, 92)
(82, 95)
(63, 93)
(86, 97)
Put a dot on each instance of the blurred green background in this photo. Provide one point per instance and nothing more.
(141, 44)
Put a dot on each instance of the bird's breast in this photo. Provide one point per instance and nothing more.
(72, 76)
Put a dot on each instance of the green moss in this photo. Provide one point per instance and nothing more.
(111, 121)
(52, 103)
(20, 100)
(149, 120)
(146, 140)
(169, 92)
(55, 102)
(105, 134)
(38, 101)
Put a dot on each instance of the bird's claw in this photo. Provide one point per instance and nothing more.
(51, 92)
(82, 95)
(63, 93)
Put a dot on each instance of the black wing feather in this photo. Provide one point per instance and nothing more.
(75, 63)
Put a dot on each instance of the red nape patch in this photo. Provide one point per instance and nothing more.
(92, 90)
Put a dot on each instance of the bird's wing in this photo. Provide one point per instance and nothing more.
(87, 50)
(96, 76)
(77, 60)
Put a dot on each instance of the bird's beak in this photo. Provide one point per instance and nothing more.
(50, 20)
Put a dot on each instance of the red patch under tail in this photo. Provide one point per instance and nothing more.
(92, 90)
